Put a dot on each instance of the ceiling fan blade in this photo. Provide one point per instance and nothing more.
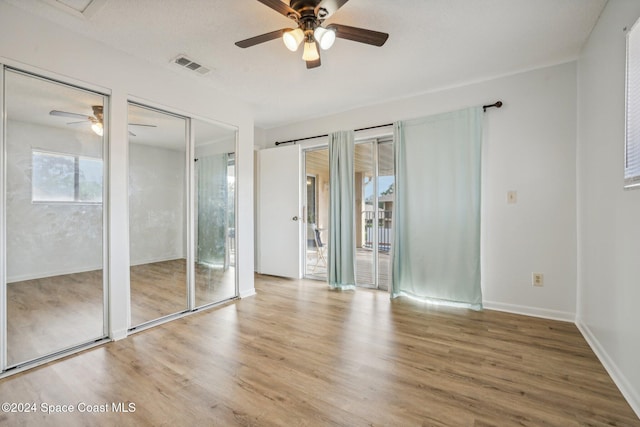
(326, 8)
(281, 7)
(70, 115)
(361, 35)
(141, 124)
(261, 38)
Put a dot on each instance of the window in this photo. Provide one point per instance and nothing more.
(632, 127)
(58, 177)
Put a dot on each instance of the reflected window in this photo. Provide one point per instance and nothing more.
(58, 177)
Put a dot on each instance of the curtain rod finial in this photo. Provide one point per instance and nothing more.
(497, 105)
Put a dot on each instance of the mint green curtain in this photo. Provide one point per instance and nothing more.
(342, 238)
(213, 202)
(436, 247)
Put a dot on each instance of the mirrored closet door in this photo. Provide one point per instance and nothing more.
(215, 230)
(53, 215)
(182, 213)
(157, 214)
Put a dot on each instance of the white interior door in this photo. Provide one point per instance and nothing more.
(279, 214)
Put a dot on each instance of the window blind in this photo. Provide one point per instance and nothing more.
(632, 131)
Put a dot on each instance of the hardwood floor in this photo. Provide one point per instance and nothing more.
(54, 313)
(49, 314)
(299, 354)
(160, 288)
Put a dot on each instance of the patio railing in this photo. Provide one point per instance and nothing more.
(384, 230)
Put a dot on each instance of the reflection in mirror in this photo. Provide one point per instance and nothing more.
(54, 217)
(215, 213)
(157, 214)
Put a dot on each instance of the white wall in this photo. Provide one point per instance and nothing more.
(529, 147)
(609, 231)
(157, 218)
(210, 148)
(48, 239)
(34, 44)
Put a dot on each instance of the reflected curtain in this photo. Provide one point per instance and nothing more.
(212, 210)
(437, 208)
(342, 241)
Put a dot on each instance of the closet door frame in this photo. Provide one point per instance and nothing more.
(34, 72)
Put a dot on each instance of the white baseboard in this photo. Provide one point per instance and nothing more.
(153, 260)
(564, 316)
(628, 391)
(247, 293)
(42, 275)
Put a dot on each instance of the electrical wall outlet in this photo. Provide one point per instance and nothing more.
(537, 279)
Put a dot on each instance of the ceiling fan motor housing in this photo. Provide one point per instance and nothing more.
(301, 5)
(308, 21)
(98, 113)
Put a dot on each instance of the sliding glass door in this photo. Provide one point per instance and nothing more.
(316, 165)
(385, 197)
(374, 176)
(54, 215)
(374, 201)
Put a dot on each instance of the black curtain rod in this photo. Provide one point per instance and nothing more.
(495, 104)
(326, 134)
(484, 108)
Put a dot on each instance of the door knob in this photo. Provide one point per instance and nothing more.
(295, 218)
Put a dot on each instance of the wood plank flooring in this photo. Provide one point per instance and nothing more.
(49, 314)
(53, 313)
(299, 354)
(160, 289)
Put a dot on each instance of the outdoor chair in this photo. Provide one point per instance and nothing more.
(321, 248)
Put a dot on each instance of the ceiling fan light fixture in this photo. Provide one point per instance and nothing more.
(310, 52)
(325, 37)
(97, 128)
(293, 38)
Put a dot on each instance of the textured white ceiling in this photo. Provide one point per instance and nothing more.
(433, 44)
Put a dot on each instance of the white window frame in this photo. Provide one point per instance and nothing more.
(632, 110)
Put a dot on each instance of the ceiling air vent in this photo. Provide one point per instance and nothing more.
(190, 64)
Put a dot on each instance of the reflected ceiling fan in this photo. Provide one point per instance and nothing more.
(97, 120)
(309, 15)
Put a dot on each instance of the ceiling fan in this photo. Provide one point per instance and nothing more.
(97, 120)
(309, 15)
